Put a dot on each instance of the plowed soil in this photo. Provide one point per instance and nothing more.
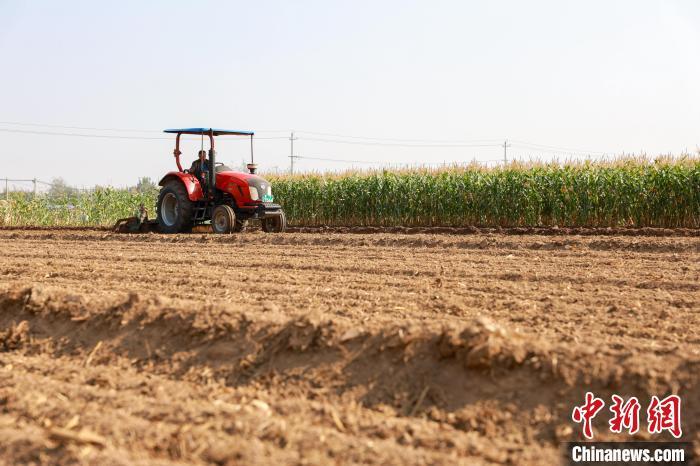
(336, 348)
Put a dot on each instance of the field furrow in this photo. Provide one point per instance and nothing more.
(317, 348)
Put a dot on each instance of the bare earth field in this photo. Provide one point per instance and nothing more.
(324, 348)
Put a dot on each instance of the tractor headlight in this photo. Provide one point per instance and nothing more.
(254, 193)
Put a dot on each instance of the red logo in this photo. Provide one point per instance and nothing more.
(665, 415)
(661, 415)
(624, 415)
(586, 412)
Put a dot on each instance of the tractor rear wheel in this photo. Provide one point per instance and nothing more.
(174, 208)
(223, 219)
(274, 224)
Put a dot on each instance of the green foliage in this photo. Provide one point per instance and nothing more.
(99, 207)
(146, 185)
(662, 193)
(59, 189)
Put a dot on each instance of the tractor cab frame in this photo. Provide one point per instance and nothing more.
(229, 200)
(210, 133)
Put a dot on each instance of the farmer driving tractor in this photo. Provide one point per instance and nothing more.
(200, 169)
(223, 198)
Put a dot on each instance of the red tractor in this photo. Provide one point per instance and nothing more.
(227, 198)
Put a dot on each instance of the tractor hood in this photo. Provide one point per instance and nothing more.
(247, 178)
(238, 183)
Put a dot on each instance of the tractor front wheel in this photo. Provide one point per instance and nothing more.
(223, 219)
(274, 224)
(174, 208)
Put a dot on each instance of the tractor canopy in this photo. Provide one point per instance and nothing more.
(210, 132)
(205, 131)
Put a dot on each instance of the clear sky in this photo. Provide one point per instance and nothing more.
(604, 76)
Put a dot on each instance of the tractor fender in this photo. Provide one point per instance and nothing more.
(194, 189)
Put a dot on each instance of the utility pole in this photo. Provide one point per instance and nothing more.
(34, 181)
(7, 192)
(291, 151)
(505, 151)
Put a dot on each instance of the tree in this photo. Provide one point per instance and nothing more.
(145, 185)
(59, 189)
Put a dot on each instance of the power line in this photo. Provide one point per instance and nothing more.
(15, 123)
(337, 160)
(448, 143)
(357, 140)
(325, 159)
(561, 149)
(105, 136)
(90, 128)
(362, 143)
(362, 140)
(433, 141)
(562, 152)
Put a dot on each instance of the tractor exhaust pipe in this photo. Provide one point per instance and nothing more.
(251, 166)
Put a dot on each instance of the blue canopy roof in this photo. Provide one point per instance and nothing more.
(217, 132)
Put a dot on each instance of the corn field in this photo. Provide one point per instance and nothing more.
(100, 207)
(642, 193)
(627, 193)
